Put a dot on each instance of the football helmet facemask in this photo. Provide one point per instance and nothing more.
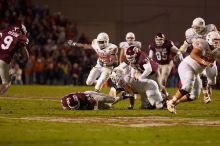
(131, 54)
(159, 39)
(198, 25)
(117, 75)
(213, 38)
(130, 38)
(103, 40)
(71, 102)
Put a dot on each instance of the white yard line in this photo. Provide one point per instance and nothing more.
(30, 98)
(123, 121)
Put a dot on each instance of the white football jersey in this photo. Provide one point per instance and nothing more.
(125, 45)
(205, 48)
(136, 84)
(206, 52)
(108, 55)
(191, 35)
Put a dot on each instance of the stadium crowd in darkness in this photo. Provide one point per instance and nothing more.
(51, 60)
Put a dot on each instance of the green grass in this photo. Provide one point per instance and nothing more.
(34, 102)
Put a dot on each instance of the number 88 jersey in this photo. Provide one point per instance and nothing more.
(10, 41)
(162, 54)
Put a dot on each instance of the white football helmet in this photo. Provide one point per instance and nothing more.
(198, 25)
(213, 38)
(159, 39)
(103, 40)
(130, 37)
(117, 75)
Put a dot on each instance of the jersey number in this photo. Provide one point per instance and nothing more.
(161, 55)
(7, 42)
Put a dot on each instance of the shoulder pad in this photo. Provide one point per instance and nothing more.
(189, 34)
(138, 44)
(113, 48)
(122, 44)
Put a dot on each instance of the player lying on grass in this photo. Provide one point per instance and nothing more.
(88, 100)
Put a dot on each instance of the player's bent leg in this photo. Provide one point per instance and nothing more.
(4, 88)
(187, 78)
(103, 77)
(112, 92)
(208, 77)
(166, 69)
(4, 73)
(93, 75)
(155, 98)
(145, 104)
(153, 94)
(211, 77)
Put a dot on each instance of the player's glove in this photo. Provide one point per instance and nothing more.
(71, 43)
(180, 55)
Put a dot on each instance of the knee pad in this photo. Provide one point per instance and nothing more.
(89, 82)
(191, 98)
(183, 92)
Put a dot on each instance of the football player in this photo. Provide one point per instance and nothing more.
(162, 50)
(148, 89)
(142, 67)
(200, 30)
(107, 53)
(88, 100)
(202, 56)
(130, 41)
(12, 41)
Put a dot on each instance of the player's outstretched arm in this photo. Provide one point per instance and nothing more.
(71, 43)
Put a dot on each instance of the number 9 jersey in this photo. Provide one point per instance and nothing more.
(10, 41)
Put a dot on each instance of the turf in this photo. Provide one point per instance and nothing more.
(32, 115)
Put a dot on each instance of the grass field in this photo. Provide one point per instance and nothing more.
(32, 116)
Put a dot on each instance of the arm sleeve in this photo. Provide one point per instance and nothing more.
(151, 54)
(147, 70)
(184, 47)
(174, 49)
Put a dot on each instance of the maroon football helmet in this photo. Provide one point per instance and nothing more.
(159, 39)
(20, 28)
(131, 54)
(70, 102)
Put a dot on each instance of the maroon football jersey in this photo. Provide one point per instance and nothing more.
(141, 59)
(86, 102)
(162, 54)
(10, 40)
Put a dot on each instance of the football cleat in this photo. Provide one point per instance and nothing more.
(171, 106)
(206, 97)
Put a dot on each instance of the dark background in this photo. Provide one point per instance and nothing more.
(143, 17)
